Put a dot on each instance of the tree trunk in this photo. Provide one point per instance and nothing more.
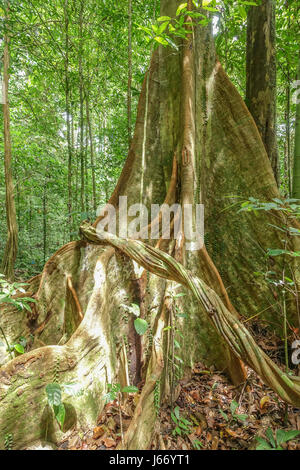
(129, 72)
(296, 172)
(261, 76)
(11, 247)
(68, 118)
(81, 116)
(198, 143)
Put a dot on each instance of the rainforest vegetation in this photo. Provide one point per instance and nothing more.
(115, 332)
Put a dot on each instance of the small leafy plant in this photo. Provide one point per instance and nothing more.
(54, 393)
(271, 442)
(234, 416)
(115, 394)
(9, 290)
(182, 425)
(17, 348)
(140, 325)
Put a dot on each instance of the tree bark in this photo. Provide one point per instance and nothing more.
(296, 172)
(261, 76)
(129, 72)
(11, 247)
(68, 118)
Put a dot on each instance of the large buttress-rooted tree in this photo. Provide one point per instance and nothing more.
(194, 142)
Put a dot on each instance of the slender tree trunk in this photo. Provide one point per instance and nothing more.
(81, 118)
(45, 235)
(129, 71)
(11, 248)
(86, 170)
(89, 124)
(68, 118)
(261, 76)
(296, 172)
(287, 145)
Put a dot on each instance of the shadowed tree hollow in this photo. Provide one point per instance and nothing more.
(194, 142)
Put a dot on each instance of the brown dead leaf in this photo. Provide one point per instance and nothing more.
(195, 395)
(99, 431)
(231, 433)
(215, 443)
(108, 442)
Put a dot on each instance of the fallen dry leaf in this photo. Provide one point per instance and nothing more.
(99, 431)
(108, 442)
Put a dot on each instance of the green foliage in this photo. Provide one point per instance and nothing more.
(234, 416)
(115, 390)
(9, 291)
(274, 442)
(182, 425)
(8, 441)
(54, 393)
(141, 326)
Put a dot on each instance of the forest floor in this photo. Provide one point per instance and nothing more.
(219, 415)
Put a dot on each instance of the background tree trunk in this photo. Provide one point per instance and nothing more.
(129, 72)
(296, 172)
(261, 76)
(11, 248)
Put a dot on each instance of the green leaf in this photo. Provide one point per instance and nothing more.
(162, 27)
(60, 414)
(224, 414)
(233, 406)
(161, 40)
(242, 418)
(53, 392)
(285, 436)
(269, 435)
(141, 326)
(130, 389)
(181, 8)
(19, 348)
(177, 412)
(164, 18)
(276, 252)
